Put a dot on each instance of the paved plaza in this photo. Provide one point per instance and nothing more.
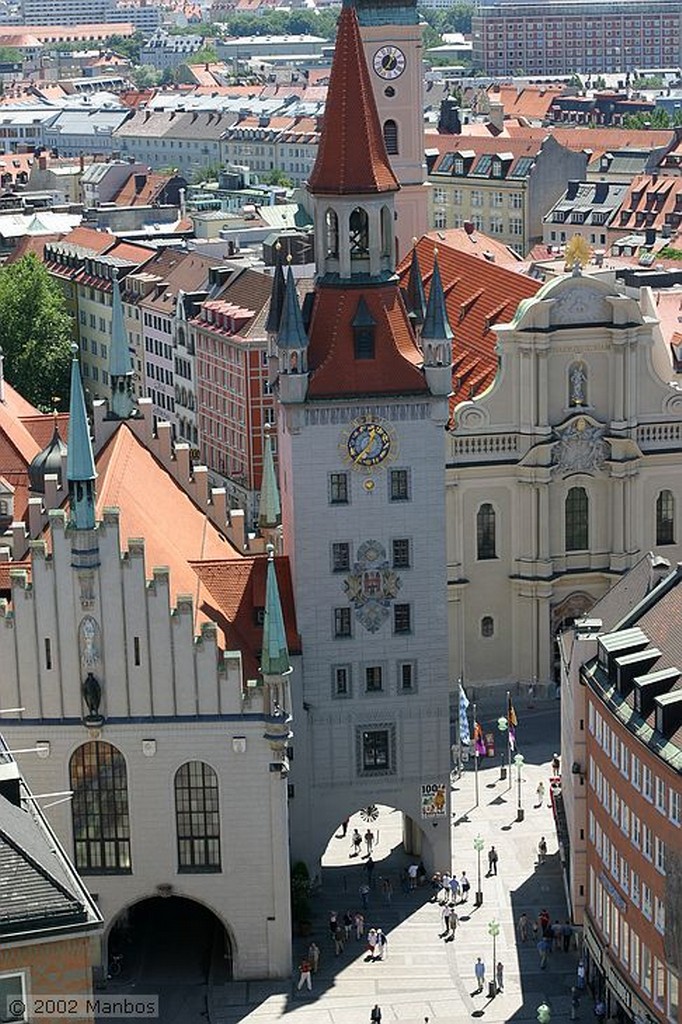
(423, 976)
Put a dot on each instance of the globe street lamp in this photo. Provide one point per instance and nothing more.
(502, 725)
(519, 762)
(494, 930)
(479, 843)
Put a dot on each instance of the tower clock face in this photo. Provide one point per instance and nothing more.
(389, 62)
(368, 443)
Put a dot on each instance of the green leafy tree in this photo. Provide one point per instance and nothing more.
(35, 333)
(206, 55)
(145, 76)
(10, 55)
(276, 177)
(656, 118)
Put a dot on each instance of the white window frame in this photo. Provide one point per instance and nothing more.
(22, 976)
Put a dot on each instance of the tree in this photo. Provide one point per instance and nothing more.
(276, 177)
(35, 333)
(10, 55)
(206, 55)
(145, 76)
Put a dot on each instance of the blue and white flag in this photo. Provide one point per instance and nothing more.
(464, 734)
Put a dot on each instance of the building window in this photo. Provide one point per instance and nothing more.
(485, 532)
(665, 518)
(376, 750)
(402, 618)
(341, 681)
(136, 650)
(340, 557)
(576, 513)
(48, 653)
(660, 855)
(374, 681)
(342, 622)
(12, 997)
(406, 677)
(197, 817)
(399, 483)
(487, 626)
(390, 132)
(401, 553)
(440, 221)
(101, 825)
(338, 488)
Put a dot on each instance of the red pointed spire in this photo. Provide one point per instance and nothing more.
(352, 157)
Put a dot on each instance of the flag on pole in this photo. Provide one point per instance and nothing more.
(512, 738)
(464, 734)
(511, 714)
(479, 740)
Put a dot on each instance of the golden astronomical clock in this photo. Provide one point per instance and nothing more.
(368, 443)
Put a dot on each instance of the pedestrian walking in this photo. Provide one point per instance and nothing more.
(454, 888)
(371, 942)
(542, 850)
(465, 886)
(540, 793)
(333, 922)
(544, 921)
(356, 843)
(499, 976)
(492, 861)
(454, 921)
(556, 935)
(543, 950)
(387, 890)
(339, 943)
(381, 946)
(314, 957)
(566, 935)
(359, 922)
(375, 1015)
(556, 763)
(369, 841)
(522, 926)
(412, 875)
(347, 925)
(305, 978)
(600, 1010)
(581, 975)
(364, 896)
(479, 971)
(445, 918)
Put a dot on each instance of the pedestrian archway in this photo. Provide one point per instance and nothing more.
(144, 944)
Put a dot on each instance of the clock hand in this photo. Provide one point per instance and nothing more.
(371, 434)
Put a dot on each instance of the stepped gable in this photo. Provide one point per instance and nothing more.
(352, 157)
(478, 295)
(396, 366)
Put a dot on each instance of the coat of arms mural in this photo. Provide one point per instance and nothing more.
(372, 585)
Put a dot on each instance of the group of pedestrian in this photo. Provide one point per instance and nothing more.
(377, 945)
(449, 888)
(356, 841)
(342, 929)
(548, 936)
(479, 971)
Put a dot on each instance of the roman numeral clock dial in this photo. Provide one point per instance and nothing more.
(389, 62)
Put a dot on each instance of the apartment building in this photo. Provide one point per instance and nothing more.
(586, 208)
(622, 736)
(580, 36)
(501, 186)
(235, 400)
(651, 208)
(188, 142)
(288, 144)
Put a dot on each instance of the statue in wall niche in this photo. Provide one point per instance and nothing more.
(92, 695)
(89, 642)
(577, 384)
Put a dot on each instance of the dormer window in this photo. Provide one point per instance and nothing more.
(364, 327)
(459, 165)
(496, 170)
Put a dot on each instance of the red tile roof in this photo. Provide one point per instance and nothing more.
(6, 568)
(352, 155)
(235, 593)
(334, 368)
(478, 295)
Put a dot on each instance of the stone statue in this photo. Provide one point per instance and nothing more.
(577, 381)
(92, 695)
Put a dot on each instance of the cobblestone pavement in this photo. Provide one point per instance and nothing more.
(423, 976)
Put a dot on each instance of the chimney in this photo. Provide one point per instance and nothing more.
(659, 568)
(140, 181)
(82, 162)
(42, 162)
(468, 227)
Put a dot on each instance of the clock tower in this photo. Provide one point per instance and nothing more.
(363, 401)
(392, 39)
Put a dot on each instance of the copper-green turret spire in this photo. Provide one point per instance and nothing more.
(414, 293)
(80, 463)
(270, 509)
(122, 403)
(436, 326)
(291, 333)
(274, 659)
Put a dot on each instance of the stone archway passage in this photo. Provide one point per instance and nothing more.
(171, 942)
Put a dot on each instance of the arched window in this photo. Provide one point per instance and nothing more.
(197, 817)
(331, 222)
(386, 231)
(359, 233)
(577, 384)
(665, 518)
(485, 532)
(101, 825)
(391, 136)
(577, 516)
(487, 626)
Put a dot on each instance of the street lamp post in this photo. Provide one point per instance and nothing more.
(494, 930)
(479, 843)
(519, 762)
(503, 726)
